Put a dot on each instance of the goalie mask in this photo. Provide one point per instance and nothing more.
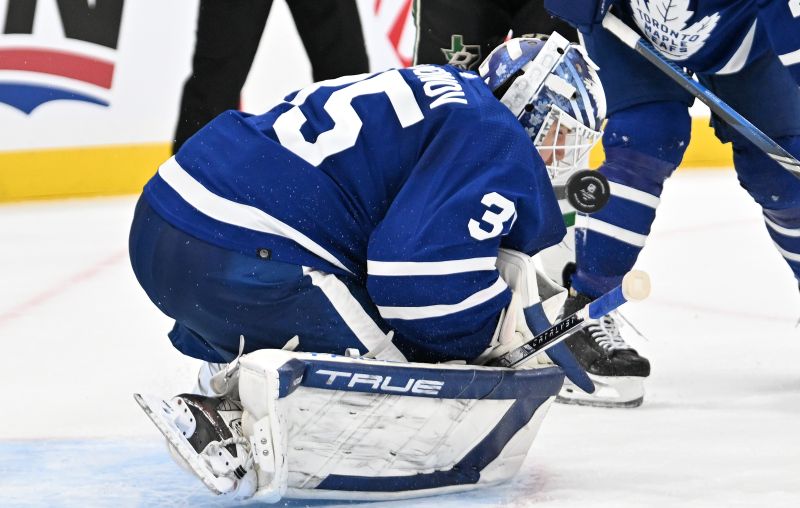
(553, 89)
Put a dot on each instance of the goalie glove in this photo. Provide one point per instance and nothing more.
(535, 304)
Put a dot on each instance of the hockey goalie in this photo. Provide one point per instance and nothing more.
(282, 424)
(348, 264)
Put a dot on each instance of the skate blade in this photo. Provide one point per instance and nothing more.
(610, 392)
(159, 411)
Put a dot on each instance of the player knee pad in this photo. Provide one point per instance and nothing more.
(645, 143)
(777, 191)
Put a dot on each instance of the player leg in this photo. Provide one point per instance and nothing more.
(227, 38)
(217, 297)
(463, 31)
(776, 190)
(765, 181)
(332, 35)
(645, 137)
(644, 145)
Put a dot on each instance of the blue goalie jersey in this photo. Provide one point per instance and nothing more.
(406, 181)
(424, 157)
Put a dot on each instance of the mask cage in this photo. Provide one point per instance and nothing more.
(570, 149)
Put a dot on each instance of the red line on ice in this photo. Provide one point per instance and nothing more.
(61, 287)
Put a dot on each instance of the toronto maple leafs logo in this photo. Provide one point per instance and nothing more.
(666, 24)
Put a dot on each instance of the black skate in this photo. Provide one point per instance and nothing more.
(204, 435)
(616, 369)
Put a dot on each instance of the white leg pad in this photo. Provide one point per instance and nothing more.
(264, 421)
(325, 426)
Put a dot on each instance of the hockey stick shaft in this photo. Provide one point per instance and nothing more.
(635, 286)
(741, 124)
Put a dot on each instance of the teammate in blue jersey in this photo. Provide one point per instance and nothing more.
(735, 53)
(367, 211)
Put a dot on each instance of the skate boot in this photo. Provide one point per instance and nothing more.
(616, 369)
(204, 435)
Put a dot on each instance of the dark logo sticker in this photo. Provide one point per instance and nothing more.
(463, 56)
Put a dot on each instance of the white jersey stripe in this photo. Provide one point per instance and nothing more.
(238, 214)
(406, 268)
(635, 195)
(378, 344)
(791, 256)
(790, 58)
(794, 233)
(433, 311)
(739, 58)
(615, 232)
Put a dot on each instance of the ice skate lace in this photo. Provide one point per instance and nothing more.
(605, 332)
(214, 447)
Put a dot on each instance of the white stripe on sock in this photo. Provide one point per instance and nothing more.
(791, 256)
(794, 233)
(643, 198)
(615, 232)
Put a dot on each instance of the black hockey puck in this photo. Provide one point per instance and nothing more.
(587, 191)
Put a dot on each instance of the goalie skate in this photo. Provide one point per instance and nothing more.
(620, 391)
(205, 433)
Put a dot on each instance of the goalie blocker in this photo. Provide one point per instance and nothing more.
(332, 427)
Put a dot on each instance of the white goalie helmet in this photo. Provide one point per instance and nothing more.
(552, 87)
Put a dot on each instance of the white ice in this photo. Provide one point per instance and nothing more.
(720, 425)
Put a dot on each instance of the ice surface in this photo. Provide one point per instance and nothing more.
(720, 425)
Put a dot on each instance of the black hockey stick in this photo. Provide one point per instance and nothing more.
(742, 125)
(635, 286)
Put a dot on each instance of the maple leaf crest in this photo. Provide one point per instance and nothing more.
(664, 22)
